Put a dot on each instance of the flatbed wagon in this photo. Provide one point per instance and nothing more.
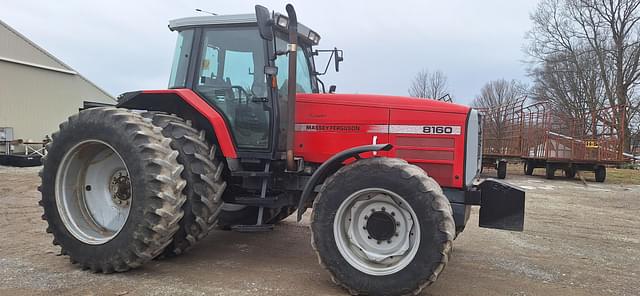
(543, 135)
(584, 140)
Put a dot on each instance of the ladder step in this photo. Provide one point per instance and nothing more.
(252, 228)
(251, 174)
(267, 202)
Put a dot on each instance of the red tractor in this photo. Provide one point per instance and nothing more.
(245, 136)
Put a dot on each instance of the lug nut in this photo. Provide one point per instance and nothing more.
(379, 242)
(397, 234)
(369, 237)
(397, 223)
(383, 209)
(393, 213)
(389, 241)
(366, 217)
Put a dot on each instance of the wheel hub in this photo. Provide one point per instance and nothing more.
(381, 225)
(120, 187)
(375, 231)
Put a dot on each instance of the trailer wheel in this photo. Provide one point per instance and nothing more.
(570, 173)
(203, 173)
(601, 173)
(381, 226)
(111, 189)
(502, 169)
(528, 168)
(550, 171)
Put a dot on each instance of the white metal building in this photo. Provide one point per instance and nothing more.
(37, 90)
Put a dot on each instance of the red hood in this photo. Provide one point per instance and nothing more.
(392, 102)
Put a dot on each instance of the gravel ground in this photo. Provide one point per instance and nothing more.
(578, 240)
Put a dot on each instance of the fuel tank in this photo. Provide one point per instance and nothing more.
(442, 138)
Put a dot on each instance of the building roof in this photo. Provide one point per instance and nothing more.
(38, 57)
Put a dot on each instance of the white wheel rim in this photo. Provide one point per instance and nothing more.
(362, 225)
(93, 192)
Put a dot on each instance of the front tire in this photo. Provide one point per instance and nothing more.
(111, 189)
(381, 226)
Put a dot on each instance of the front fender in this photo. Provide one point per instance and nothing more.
(331, 165)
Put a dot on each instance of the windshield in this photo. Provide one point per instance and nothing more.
(231, 76)
(181, 57)
(303, 73)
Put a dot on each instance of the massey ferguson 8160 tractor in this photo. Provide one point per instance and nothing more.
(245, 136)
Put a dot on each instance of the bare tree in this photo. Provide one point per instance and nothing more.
(429, 85)
(498, 100)
(587, 55)
(499, 93)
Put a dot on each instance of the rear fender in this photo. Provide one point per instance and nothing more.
(188, 105)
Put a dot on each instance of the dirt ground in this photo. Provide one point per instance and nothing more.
(578, 240)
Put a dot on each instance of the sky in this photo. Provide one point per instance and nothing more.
(126, 45)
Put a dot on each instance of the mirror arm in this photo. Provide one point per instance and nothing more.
(326, 68)
(321, 83)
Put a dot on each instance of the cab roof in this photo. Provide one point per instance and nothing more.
(229, 19)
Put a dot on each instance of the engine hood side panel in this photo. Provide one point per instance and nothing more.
(427, 133)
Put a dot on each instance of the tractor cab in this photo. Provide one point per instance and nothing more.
(239, 64)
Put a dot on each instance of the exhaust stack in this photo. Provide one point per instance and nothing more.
(292, 48)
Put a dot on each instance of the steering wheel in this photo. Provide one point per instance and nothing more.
(241, 90)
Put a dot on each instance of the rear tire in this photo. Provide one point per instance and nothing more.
(601, 173)
(410, 196)
(141, 195)
(203, 173)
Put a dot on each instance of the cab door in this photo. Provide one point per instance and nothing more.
(230, 77)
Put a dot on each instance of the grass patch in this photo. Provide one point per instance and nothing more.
(620, 176)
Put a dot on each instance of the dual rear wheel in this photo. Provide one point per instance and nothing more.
(120, 188)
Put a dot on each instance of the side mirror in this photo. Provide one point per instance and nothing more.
(265, 23)
(332, 89)
(339, 58)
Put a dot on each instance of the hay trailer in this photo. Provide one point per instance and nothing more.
(587, 139)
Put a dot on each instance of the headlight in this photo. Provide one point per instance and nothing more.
(282, 21)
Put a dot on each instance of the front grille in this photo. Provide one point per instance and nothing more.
(473, 145)
(479, 142)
